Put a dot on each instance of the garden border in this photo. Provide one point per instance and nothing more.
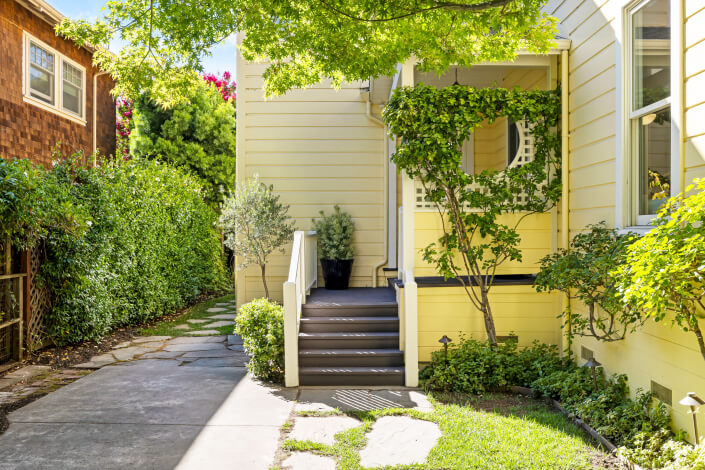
(580, 423)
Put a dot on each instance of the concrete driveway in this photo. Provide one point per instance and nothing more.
(196, 410)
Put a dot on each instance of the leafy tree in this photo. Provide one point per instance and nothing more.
(306, 40)
(433, 124)
(255, 224)
(664, 271)
(584, 273)
(197, 135)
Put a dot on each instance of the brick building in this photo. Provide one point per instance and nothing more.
(47, 88)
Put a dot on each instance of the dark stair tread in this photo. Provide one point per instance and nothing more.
(351, 370)
(349, 334)
(316, 306)
(350, 352)
(348, 319)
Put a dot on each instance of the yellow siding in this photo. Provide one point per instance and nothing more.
(318, 148)
(694, 98)
(535, 231)
(516, 309)
(657, 352)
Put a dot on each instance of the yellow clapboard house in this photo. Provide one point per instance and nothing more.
(320, 147)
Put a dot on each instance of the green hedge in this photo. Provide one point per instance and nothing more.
(149, 245)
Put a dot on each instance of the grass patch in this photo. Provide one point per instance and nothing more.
(168, 327)
(493, 431)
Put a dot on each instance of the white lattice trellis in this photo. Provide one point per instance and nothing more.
(525, 154)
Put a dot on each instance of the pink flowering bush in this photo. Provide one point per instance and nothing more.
(124, 124)
(223, 84)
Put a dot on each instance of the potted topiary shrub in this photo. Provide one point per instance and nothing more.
(335, 248)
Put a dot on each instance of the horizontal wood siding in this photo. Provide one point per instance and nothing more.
(517, 310)
(318, 148)
(657, 352)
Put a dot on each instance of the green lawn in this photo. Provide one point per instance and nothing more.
(491, 432)
(168, 326)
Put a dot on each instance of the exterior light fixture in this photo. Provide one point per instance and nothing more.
(444, 341)
(693, 401)
(593, 364)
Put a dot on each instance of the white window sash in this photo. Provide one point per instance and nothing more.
(55, 104)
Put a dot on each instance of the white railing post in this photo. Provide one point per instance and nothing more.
(411, 331)
(291, 334)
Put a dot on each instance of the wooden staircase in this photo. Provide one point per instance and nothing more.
(350, 337)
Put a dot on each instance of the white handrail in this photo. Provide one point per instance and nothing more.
(303, 275)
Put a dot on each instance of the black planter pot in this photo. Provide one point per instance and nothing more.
(336, 273)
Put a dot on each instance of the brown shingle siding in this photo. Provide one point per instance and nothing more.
(28, 131)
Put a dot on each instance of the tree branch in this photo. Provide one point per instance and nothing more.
(473, 7)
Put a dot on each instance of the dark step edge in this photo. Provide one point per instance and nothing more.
(350, 319)
(349, 334)
(309, 371)
(332, 352)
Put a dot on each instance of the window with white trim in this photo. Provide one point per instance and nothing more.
(41, 73)
(649, 107)
(53, 81)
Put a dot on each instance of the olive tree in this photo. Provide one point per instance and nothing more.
(255, 224)
(663, 275)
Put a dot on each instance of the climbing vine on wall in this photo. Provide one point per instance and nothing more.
(432, 124)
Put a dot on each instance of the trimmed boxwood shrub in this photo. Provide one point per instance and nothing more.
(261, 325)
(149, 246)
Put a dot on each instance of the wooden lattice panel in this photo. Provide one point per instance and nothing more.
(40, 302)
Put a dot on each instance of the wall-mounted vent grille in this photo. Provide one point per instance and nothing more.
(662, 393)
(586, 353)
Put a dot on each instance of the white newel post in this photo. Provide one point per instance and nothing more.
(411, 335)
(291, 333)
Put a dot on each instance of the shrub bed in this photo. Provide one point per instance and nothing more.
(641, 426)
(126, 242)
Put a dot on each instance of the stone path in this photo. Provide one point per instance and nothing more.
(183, 403)
(223, 314)
(393, 440)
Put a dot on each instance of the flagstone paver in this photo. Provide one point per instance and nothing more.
(399, 440)
(186, 347)
(234, 339)
(126, 354)
(149, 339)
(220, 323)
(223, 316)
(321, 429)
(202, 332)
(182, 327)
(197, 320)
(308, 461)
(216, 309)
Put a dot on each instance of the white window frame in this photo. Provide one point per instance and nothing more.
(626, 216)
(59, 59)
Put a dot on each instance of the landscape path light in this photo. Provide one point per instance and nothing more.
(693, 401)
(444, 341)
(593, 364)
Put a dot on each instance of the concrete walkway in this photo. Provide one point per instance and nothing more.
(190, 405)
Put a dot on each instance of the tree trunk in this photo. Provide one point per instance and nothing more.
(489, 319)
(264, 280)
(695, 326)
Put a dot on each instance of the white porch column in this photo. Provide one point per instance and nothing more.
(407, 193)
(411, 330)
